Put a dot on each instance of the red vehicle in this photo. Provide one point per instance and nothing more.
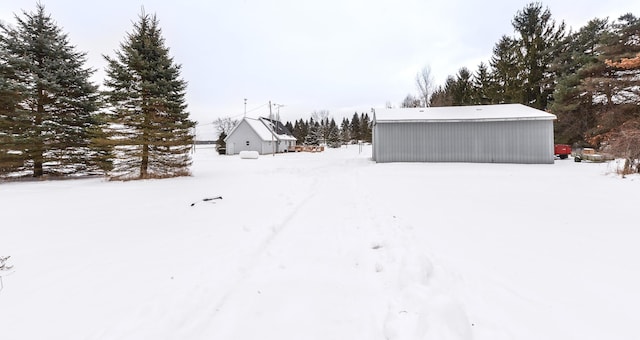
(562, 150)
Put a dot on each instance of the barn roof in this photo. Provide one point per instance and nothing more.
(501, 112)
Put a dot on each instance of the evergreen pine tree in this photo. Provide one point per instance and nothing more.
(304, 130)
(505, 72)
(573, 102)
(298, 130)
(289, 126)
(345, 132)
(356, 129)
(221, 145)
(443, 95)
(323, 130)
(333, 134)
(463, 90)
(482, 86)
(313, 136)
(47, 118)
(615, 83)
(365, 128)
(12, 155)
(623, 43)
(538, 35)
(148, 110)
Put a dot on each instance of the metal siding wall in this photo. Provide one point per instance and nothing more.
(484, 142)
(374, 150)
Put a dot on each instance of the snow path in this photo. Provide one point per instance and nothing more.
(325, 246)
(310, 270)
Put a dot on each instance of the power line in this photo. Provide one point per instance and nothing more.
(236, 116)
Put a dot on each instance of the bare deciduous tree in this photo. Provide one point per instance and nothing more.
(3, 263)
(625, 143)
(424, 82)
(320, 116)
(224, 125)
(411, 101)
(4, 267)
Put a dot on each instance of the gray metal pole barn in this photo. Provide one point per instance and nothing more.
(508, 133)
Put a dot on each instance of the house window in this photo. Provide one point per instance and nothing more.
(247, 143)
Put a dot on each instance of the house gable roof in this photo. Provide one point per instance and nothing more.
(500, 112)
(262, 130)
(265, 129)
(280, 131)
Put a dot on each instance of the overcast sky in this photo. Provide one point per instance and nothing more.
(335, 55)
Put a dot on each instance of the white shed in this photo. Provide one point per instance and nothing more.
(507, 133)
(263, 135)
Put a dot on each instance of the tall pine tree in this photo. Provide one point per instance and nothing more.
(300, 130)
(506, 76)
(463, 90)
(47, 111)
(313, 136)
(573, 102)
(12, 155)
(622, 44)
(443, 95)
(365, 128)
(333, 135)
(538, 35)
(345, 131)
(150, 123)
(356, 128)
(482, 86)
(617, 84)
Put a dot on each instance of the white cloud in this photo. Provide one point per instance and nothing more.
(311, 55)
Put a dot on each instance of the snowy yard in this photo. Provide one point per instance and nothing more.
(325, 246)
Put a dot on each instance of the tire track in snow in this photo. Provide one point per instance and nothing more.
(323, 175)
(249, 266)
(273, 249)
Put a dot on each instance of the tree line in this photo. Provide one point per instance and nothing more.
(55, 122)
(588, 78)
(319, 129)
(322, 130)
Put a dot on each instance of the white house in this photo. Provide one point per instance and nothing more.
(263, 135)
(507, 133)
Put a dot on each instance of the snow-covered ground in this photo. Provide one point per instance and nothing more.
(325, 246)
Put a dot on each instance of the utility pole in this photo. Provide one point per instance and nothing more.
(272, 127)
(245, 107)
(278, 106)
